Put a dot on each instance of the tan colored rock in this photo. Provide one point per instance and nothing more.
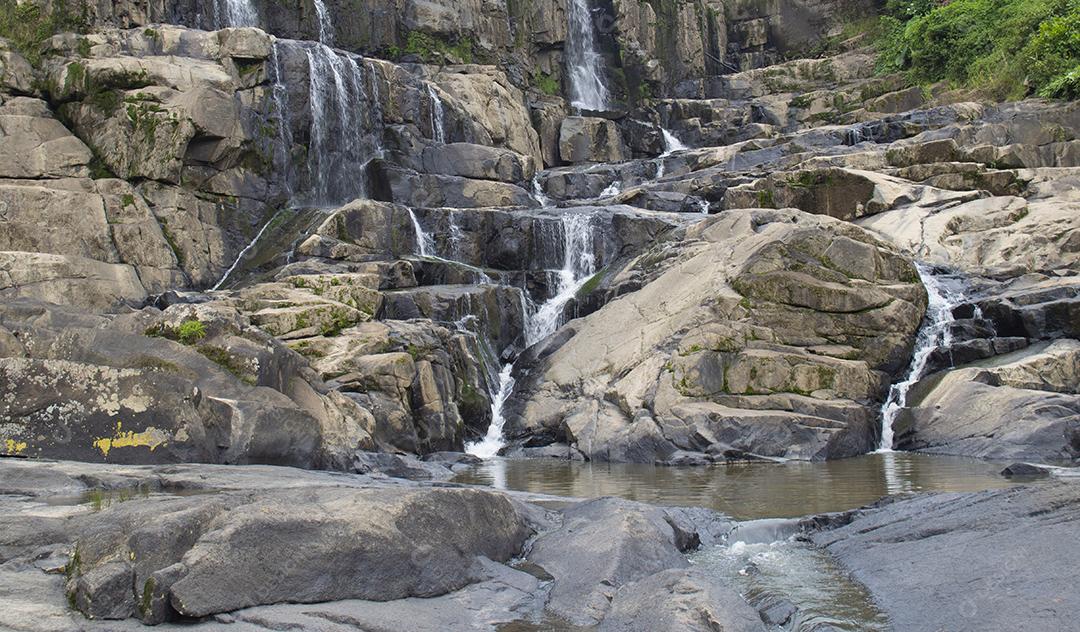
(33, 144)
(68, 280)
(586, 139)
(489, 99)
(750, 314)
(1025, 405)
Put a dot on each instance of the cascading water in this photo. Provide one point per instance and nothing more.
(538, 193)
(234, 13)
(326, 29)
(612, 189)
(492, 442)
(341, 140)
(579, 265)
(935, 332)
(671, 143)
(455, 234)
(584, 64)
(425, 243)
(438, 115)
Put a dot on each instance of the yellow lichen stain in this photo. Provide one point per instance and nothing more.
(13, 447)
(150, 438)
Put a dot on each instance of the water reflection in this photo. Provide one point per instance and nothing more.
(746, 491)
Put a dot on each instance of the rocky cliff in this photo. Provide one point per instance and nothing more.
(261, 232)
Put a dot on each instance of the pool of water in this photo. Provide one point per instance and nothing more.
(772, 568)
(746, 491)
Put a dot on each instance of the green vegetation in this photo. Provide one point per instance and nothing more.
(546, 83)
(1006, 49)
(28, 25)
(433, 49)
(190, 332)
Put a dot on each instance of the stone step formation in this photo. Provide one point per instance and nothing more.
(369, 239)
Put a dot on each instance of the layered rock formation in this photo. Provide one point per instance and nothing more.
(761, 333)
(389, 237)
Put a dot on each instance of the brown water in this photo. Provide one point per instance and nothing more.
(762, 567)
(746, 491)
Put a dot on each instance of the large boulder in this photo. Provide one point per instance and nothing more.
(680, 600)
(193, 384)
(586, 139)
(198, 557)
(772, 333)
(1024, 405)
(601, 546)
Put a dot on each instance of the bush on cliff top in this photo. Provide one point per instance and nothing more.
(28, 25)
(1006, 48)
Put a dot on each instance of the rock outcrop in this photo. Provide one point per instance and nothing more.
(761, 333)
(261, 546)
(994, 556)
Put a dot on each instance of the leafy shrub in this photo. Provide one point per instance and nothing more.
(28, 25)
(1005, 48)
(190, 331)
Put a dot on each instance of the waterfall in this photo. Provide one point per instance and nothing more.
(233, 13)
(279, 96)
(671, 143)
(455, 233)
(425, 243)
(584, 64)
(438, 115)
(339, 148)
(612, 189)
(579, 265)
(935, 332)
(326, 29)
(538, 193)
(492, 442)
(243, 253)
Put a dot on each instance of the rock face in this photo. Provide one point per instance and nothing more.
(1024, 405)
(602, 545)
(993, 555)
(770, 333)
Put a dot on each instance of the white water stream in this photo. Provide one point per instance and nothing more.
(438, 115)
(326, 29)
(935, 332)
(245, 251)
(235, 13)
(579, 265)
(584, 64)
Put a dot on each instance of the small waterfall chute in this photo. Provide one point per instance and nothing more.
(672, 143)
(243, 253)
(425, 243)
(935, 332)
(326, 28)
(585, 65)
(438, 115)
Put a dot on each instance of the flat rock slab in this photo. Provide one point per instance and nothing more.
(996, 560)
